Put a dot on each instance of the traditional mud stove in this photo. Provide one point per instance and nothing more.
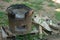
(19, 18)
(20, 21)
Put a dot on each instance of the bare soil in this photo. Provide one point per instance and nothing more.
(54, 37)
(0, 36)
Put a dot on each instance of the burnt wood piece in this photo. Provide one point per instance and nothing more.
(58, 23)
(11, 38)
(8, 32)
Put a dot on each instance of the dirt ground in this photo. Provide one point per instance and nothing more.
(54, 37)
(0, 36)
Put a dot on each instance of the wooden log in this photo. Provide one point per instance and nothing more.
(4, 34)
(40, 32)
(45, 32)
(44, 26)
(54, 26)
(7, 32)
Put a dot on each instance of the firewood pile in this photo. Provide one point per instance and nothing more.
(46, 24)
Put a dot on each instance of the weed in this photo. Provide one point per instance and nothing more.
(57, 15)
(7, 0)
(33, 5)
(1, 6)
(51, 3)
(3, 18)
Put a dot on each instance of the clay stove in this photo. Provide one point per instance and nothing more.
(20, 18)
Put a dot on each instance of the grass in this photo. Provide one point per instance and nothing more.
(1, 6)
(58, 6)
(3, 18)
(51, 3)
(57, 15)
(36, 2)
(30, 37)
(7, 0)
(27, 37)
(33, 5)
